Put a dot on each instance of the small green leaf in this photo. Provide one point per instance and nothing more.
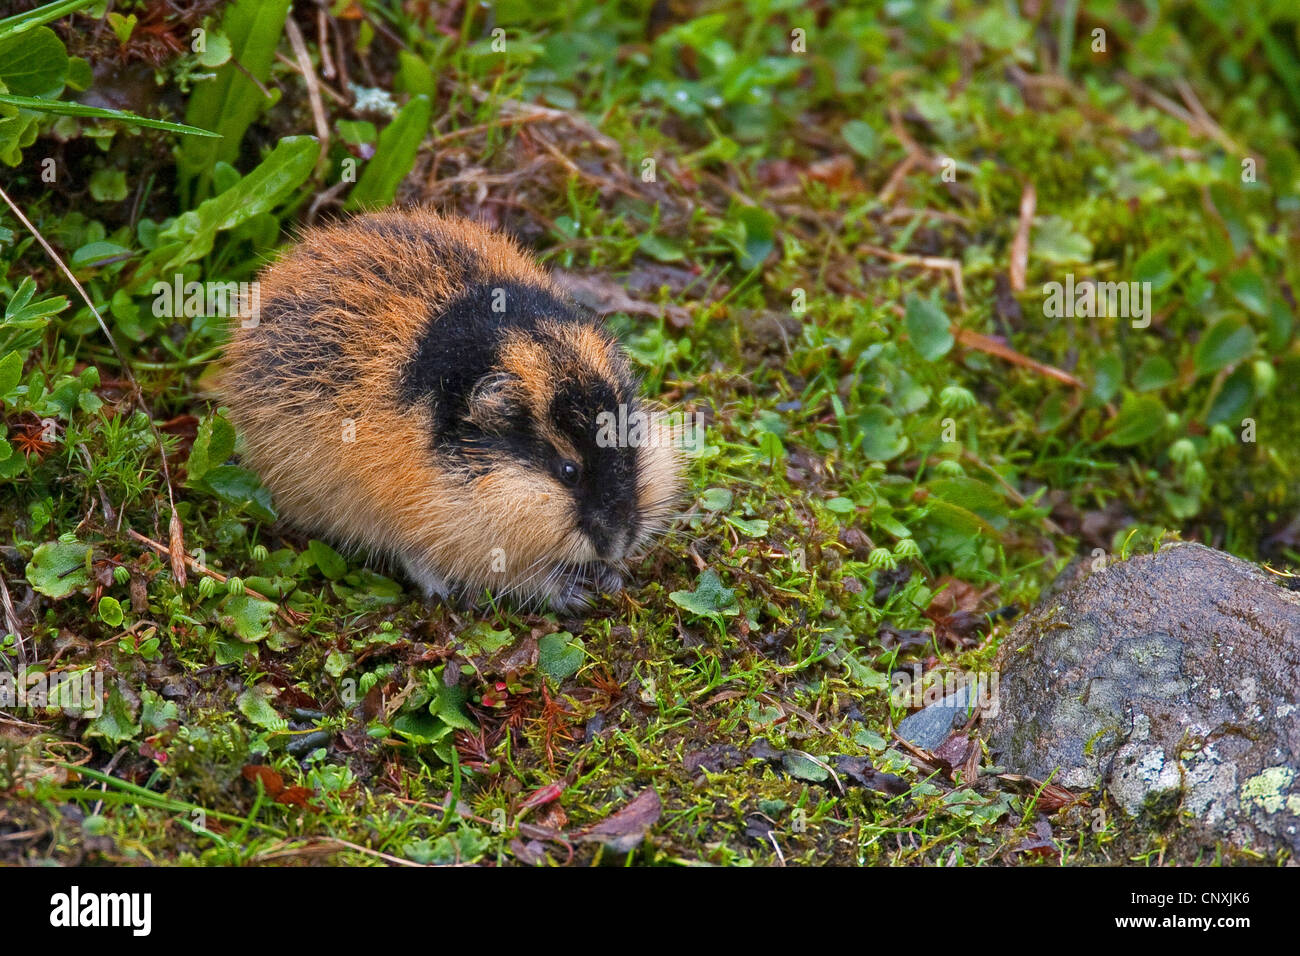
(483, 639)
(216, 50)
(882, 433)
(414, 76)
(1108, 377)
(928, 328)
(803, 767)
(753, 235)
(108, 185)
(1154, 267)
(1229, 341)
(421, 727)
(328, 561)
(1234, 398)
(337, 663)
(661, 247)
(1055, 240)
(559, 655)
(970, 494)
(248, 618)
(214, 442)
(709, 599)
(1249, 289)
(255, 704)
(118, 721)
(110, 611)
(1140, 417)
(861, 137)
(156, 712)
(1153, 374)
(356, 132)
(239, 486)
(11, 373)
(715, 499)
(752, 528)
(123, 26)
(93, 253)
(59, 568)
(449, 707)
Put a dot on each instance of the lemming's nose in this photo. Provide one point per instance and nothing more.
(609, 538)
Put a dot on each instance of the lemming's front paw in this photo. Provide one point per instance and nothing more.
(606, 579)
(571, 594)
(577, 590)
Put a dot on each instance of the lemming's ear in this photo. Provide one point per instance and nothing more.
(494, 401)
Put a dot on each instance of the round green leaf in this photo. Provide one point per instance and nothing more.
(715, 499)
(327, 560)
(33, 63)
(1154, 373)
(108, 185)
(1141, 417)
(559, 655)
(928, 328)
(216, 50)
(59, 568)
(110, 611)
(882, 433)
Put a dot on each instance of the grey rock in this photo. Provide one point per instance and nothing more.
(1171, 681)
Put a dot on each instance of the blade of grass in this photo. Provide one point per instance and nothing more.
(95, 112)
(22, 22)
(394, 156)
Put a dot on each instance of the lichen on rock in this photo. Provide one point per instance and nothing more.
(1170, 681)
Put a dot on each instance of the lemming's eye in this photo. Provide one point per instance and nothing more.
(568, 472)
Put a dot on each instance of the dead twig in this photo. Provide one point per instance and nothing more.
(991, 346)
(1020, 245)
(286, 614)
(951, 266)
(12, 624)
(308, 73)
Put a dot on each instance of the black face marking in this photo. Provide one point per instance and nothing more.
(605, 488)
(461, 344)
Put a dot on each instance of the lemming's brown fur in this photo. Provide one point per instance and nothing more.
(316, 390)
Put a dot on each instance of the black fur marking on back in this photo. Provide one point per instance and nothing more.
(462, 340)
(292, 353)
